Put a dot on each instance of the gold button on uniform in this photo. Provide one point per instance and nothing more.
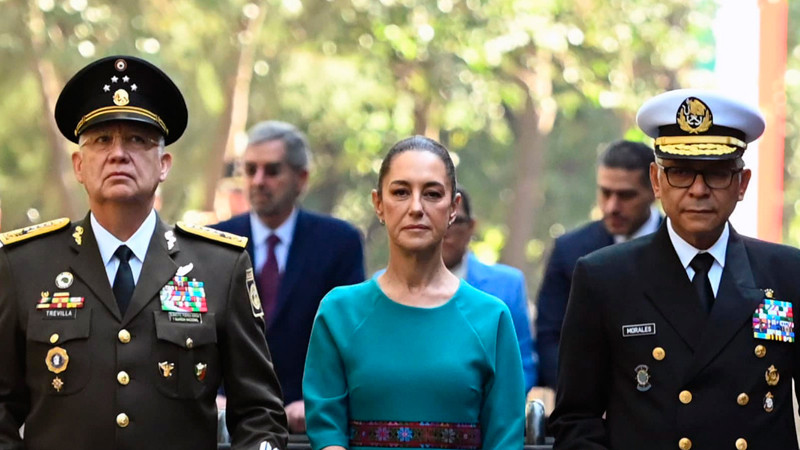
(124, 336)
(659, 353)
(54, 338)
(684, 444)
(743, 399)
(741, 444)
(189, 343)
(685, 397)
(123, 420)
(123, 378)
(760, 351)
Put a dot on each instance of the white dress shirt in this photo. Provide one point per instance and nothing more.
(261, 232)
(686, 252)
(138, 243)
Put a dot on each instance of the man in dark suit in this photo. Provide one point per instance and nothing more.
(684, 338)
(117, 330)
(299, 256)
(625, 198)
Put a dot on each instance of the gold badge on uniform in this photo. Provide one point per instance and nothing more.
(78, 235)
(642, 378)
(200, 371)
(694, 116)
(64, 280)
(57, 384)
(57, 360)
(769, 402)
(772, 376)
(255, 301)
(166, 368)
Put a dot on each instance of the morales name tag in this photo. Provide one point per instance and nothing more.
(773, 320)
(639, 329)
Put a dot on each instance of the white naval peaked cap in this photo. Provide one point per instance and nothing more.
(699, 124)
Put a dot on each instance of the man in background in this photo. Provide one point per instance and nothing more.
(504, 282)
(299, 256)
(625, 198)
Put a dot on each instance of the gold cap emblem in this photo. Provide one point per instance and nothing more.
(694, 116)
(121, 97)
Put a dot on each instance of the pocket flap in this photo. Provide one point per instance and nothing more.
(186, 335)
(50, 331)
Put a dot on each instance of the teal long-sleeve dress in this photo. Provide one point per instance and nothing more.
(381, 374)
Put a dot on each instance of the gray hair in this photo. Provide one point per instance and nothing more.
(297, 150)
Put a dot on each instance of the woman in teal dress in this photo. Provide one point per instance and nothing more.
(416, 358)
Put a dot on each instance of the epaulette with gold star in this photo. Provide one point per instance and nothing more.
(212, 234)
(29, 232)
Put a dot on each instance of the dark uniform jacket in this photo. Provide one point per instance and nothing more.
(114, 392)
(701, 378)
(554, 292)
(325, 253)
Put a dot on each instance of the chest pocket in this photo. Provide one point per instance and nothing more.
(59, 360)
(186, 357)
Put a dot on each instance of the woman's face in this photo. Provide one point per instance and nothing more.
(416, 201)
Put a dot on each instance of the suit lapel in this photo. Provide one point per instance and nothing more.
(737, 299)
(669, 289)
(158, 268)
(294, 263)
(88, 266)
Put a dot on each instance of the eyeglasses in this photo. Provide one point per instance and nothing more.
(104, 141)
(683, 177)
(270, 169)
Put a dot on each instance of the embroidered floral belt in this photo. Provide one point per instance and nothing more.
(415, 434)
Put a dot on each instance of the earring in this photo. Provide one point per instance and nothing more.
(381, 221)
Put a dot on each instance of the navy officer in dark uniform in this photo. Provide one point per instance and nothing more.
(116, 331)
(684, 339)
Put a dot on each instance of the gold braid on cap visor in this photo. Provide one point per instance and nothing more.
(124, 109)
(699, 145)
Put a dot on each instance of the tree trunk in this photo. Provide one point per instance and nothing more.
(59, 170)
(234, 119)
(527, 195)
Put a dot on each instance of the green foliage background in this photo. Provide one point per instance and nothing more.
(524, 93)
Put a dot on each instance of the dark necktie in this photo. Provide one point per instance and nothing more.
(702, 286)
(123, 281)
(269, 278)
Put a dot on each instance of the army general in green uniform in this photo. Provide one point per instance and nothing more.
(116, 331)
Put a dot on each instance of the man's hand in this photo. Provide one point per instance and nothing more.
(296, 414)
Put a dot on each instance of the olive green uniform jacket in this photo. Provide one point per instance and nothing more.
(143, 380)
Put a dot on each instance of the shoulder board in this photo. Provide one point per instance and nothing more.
(212, 234)
(33, 231)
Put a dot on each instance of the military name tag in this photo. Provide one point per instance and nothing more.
(60, 314)
(773, 320)
(639, 329)
(185, 317)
